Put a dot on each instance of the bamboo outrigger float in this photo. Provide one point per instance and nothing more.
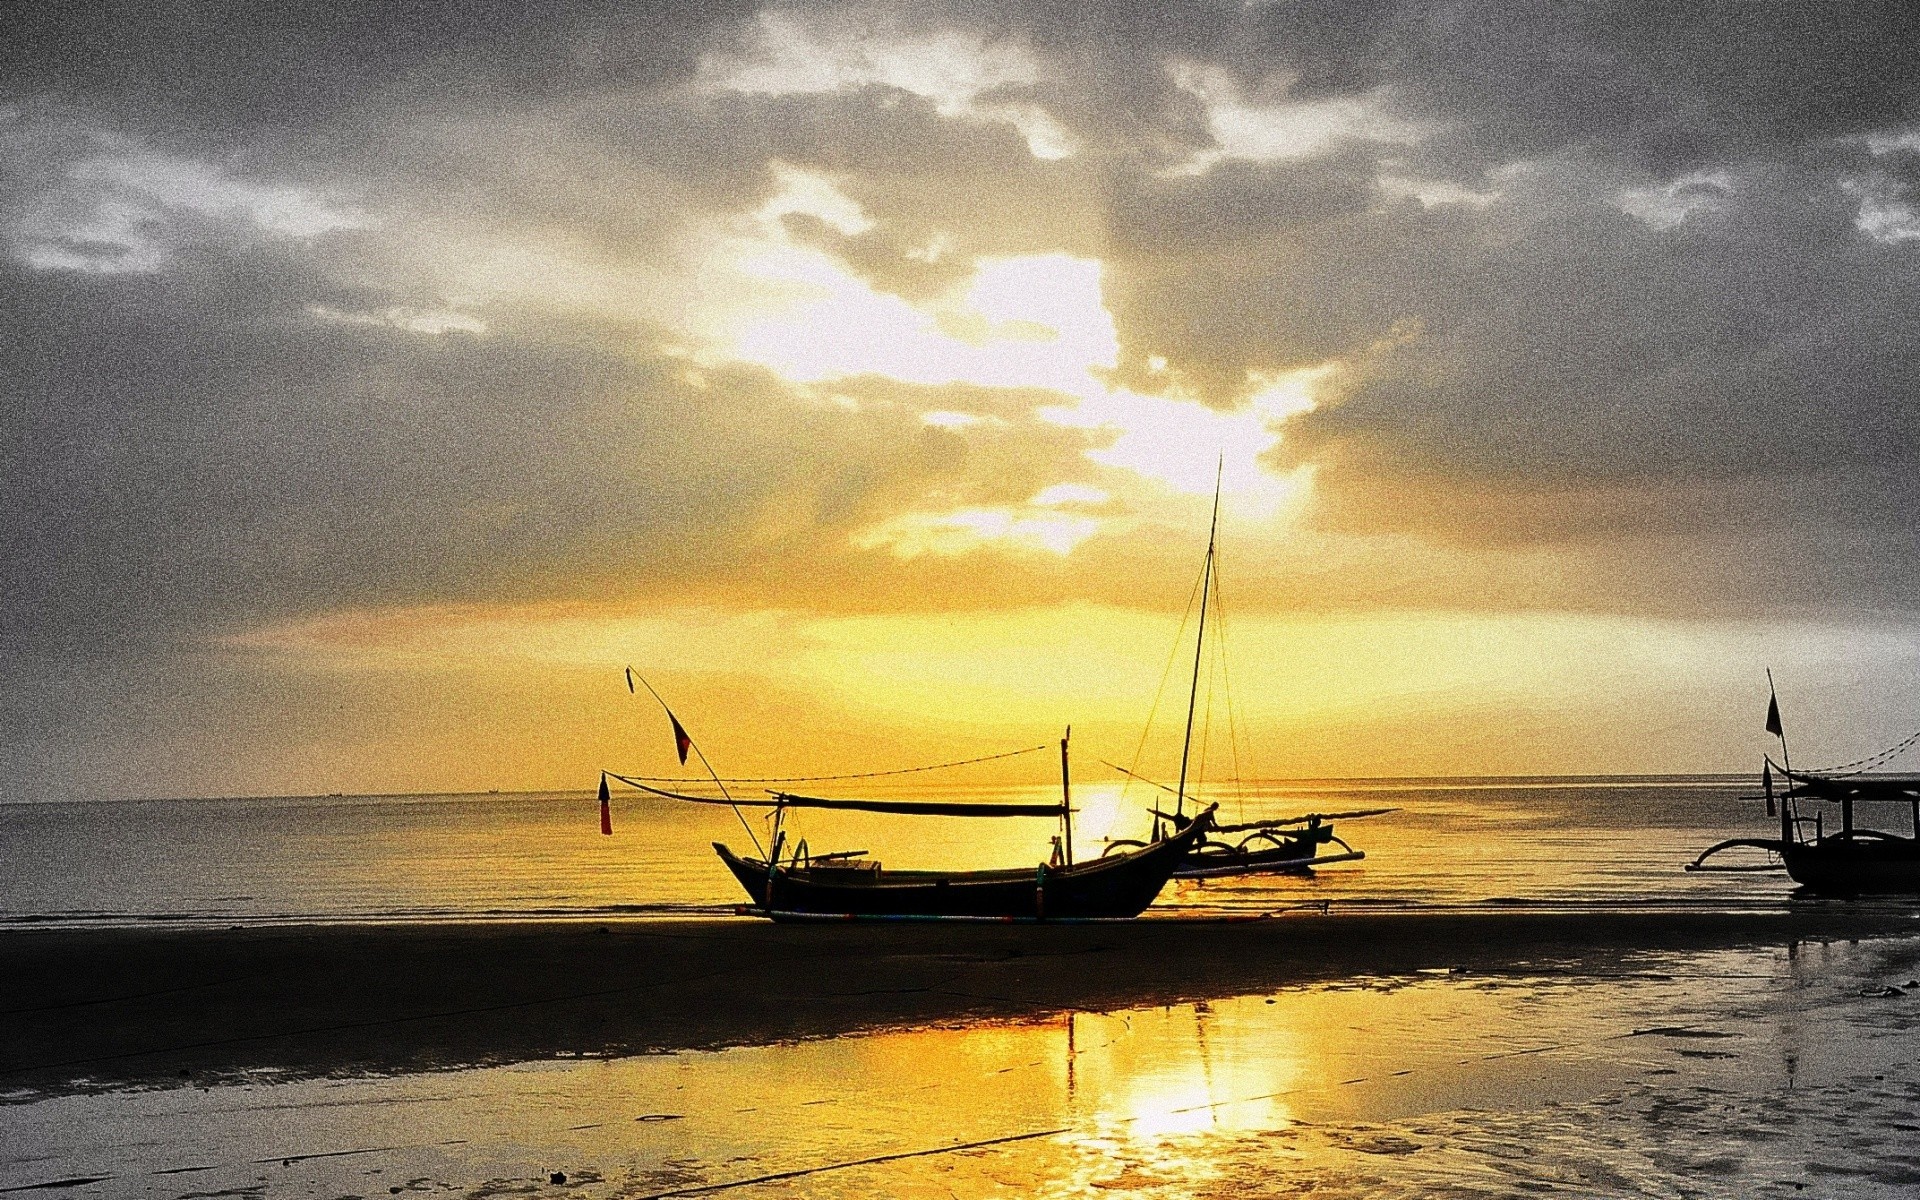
(1850, 860)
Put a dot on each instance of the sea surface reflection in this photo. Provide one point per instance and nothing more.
(1743, 1072)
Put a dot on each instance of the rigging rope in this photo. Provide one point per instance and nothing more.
(1179, 635)
(1234, 735)
(1862, 765)
(962, 762)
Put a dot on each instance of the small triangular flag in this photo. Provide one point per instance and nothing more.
(681, 742)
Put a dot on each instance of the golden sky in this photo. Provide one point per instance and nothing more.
(860, 373)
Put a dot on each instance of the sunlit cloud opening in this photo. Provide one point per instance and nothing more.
(1039, 524)
(429, 321)
(815, 196)
(945, 419)
(1669, 204)
(1020, 322)
(1183, 444)
(1886, 214)
(1435, 193)
(1069, 494)
(964, 75)
(1034, 321)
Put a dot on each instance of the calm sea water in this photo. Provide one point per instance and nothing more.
(1620, 841)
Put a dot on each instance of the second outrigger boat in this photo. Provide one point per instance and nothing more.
(1849, 860)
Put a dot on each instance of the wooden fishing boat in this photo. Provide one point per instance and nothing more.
(1848, 861)
(852, 886)
(797, 884)
(1289, 845)
(1283, 845)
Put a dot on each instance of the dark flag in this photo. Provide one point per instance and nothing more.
(681, 742)
(1773, 716)
(606, 809)
(630, 681)
(1766, 781)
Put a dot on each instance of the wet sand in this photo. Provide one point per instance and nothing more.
(92, 1010)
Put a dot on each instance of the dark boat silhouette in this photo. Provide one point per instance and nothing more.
(799, 885)
(1116, 886)
(1290, 845)
(1849, 861)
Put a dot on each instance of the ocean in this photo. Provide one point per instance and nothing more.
(1447, 843)
(1765, 1067)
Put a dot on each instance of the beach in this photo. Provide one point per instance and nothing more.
(481, 1058)
(103, 1008)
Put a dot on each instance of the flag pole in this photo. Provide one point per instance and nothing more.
(711, 773)
(1776, 727)
(1789, 811)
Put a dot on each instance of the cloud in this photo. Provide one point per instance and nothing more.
(962, 72)
(916, 308)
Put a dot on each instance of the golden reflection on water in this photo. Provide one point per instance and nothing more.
(1401, 1087)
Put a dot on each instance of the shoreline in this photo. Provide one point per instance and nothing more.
(85, 1010)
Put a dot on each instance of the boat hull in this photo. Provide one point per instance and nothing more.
(1846, 864)
(1120, 885)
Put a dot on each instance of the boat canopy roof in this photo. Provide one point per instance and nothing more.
(1902, 788)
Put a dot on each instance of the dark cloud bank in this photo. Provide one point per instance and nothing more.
(1659, 306)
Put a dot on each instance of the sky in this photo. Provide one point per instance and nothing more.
(382, 380)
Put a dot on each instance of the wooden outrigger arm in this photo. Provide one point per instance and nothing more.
(1770, 845)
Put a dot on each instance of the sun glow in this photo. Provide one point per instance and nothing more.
(1031, 323)
(1023, 322)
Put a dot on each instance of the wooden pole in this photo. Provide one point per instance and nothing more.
(1066, 799)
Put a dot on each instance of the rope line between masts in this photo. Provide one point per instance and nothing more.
(962, 762)
(1862, 765)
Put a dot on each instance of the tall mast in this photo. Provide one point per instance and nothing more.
(1199, 641)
